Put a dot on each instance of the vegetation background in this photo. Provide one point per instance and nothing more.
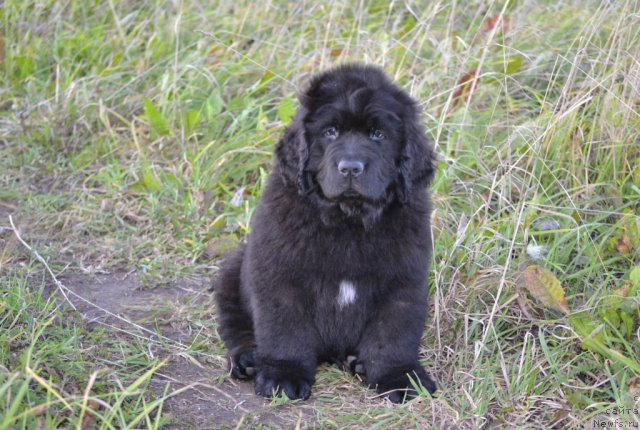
(135, 138)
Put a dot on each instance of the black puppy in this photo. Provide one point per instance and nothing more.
(335, 268)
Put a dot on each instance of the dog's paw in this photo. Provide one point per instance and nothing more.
(353, 365)
(398, 387)
(275, 378)
(243, 365)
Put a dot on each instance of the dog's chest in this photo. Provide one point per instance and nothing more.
(340, 311)
(347, 294)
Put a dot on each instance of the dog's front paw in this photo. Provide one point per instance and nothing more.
(354, 365)
(243, 364)
(397, 383)
(277, 377)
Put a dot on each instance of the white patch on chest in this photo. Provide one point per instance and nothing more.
(347, 294)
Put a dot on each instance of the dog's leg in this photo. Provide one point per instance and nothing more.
(287, 343)
(234, 320)
(388, 349)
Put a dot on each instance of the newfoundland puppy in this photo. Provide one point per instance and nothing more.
(335, 268)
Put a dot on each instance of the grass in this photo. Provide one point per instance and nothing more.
(136, 136)
(36, 340)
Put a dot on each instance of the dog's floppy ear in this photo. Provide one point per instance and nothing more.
(417, 161)
(292, 154)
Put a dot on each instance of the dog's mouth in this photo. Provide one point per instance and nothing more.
(350, 194)
(353, 205)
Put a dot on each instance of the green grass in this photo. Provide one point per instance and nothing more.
(128, 127)
(48, 376)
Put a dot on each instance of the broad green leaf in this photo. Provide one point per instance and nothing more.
(266, 76)
(213, 105)
(239, 103)
(514, 64)
(592, 335)
(151, 182)
(544, 287)
(159, 124)
(286, 109)
(191, 120)
(218, 224)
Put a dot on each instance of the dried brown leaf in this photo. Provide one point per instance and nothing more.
(467, 84)
(544, 287)
(492, 22)
(624, 245)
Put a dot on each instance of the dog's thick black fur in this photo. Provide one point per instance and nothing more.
(335, 268)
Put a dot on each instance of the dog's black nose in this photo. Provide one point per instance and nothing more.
(351, 168)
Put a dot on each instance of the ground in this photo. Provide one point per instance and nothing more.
(201, 394)
(135, 140)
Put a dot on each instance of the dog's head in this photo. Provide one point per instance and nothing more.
(355, 143)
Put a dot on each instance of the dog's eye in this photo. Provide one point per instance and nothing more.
(330, 132)
(377, 134)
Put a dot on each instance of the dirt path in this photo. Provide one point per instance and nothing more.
(209, 399)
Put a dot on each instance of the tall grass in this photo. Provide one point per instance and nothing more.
(136, 135)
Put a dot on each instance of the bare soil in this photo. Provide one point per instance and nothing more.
(205, 397)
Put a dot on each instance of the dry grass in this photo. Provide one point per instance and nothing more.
(128, 127)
